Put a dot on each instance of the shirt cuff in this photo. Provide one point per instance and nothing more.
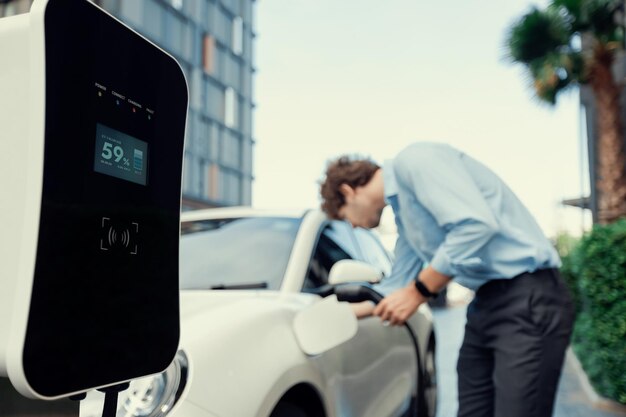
(441, 263)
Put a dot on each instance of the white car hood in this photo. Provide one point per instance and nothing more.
(193, 302)
(219, 311)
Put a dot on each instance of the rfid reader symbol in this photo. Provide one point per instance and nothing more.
(118, 236)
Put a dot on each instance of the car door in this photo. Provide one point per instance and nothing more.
(373, 374)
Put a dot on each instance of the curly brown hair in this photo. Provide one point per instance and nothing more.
(354, 172)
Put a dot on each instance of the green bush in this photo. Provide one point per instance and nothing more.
(570, 274)
(596, 273)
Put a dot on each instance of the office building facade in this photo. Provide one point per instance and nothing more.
(213, 40)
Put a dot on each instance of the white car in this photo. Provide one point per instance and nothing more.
(260, 339)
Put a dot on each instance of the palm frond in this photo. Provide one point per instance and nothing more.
(572, 11)
(573, 7)
(553, 74)
(537, 34)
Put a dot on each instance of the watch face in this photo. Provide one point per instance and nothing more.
(104, 302)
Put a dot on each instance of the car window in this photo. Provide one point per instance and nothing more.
(372, 250)
(336, 242)
(236, 253)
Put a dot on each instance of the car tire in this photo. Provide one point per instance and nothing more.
(285, 409)
(428, 391)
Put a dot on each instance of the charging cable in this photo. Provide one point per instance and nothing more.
(110, 398)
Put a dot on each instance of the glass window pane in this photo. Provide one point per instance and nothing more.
(246, 191)
(237, 43)
(335, 243)
(188, 42)
(224, 27)
(196, 90)
(174, 39)
(153, 20)
(212, 255)
(230, 108)
(188, 175)
(190, 130)
(211, 17)
(213, 181)
(246, 156)
(208, 54)
(215, 141)
(214, 101)
(231, 149)
(132, 12)
(245, 9)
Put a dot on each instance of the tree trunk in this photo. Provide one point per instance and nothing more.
(611, 182)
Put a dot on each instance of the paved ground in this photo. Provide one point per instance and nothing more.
(571, 400)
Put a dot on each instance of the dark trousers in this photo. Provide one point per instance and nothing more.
(515, 339)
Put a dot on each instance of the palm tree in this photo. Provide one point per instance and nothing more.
(547, 42)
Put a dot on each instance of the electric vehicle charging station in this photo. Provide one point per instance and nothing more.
(92, 123)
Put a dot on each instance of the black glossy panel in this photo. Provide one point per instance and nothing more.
(105, 295)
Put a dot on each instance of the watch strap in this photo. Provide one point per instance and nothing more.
(423, 290)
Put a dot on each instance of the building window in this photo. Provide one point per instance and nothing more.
(174, 34)
(246, 157)
(214, 137)
(196, 89)
(191, 179)
(246, 191)
(230, 108)
(230, 185)
(212, 175)
(231, 150)
(223, 27)
(232, 71)
(253, 16)
(237, 35)
(153, 21)
(214, 100)
(132, 12)
(208, 54)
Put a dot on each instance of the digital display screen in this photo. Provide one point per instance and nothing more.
(120, 155)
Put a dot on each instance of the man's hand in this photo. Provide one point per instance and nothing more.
(398, 306)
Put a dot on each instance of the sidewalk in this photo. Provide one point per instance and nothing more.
(572, 399)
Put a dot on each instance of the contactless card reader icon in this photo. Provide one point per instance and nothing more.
(116, 235)
(90, 234)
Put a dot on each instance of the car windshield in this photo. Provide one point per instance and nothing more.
(239, 253)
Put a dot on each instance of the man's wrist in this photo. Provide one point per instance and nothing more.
(423, 290)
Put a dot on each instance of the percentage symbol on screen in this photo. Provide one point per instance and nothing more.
(126, 162)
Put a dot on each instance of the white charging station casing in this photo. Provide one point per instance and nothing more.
(21, 169)
(22, 155)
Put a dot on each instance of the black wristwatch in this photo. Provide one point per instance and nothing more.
(423, 290)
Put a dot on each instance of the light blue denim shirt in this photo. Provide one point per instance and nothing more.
(457, 215)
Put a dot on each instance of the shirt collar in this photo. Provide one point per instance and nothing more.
(389, 180)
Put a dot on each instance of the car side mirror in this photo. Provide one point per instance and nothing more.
(324, 325)
(348, 270)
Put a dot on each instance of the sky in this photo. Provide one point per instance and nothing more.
(369, 77)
